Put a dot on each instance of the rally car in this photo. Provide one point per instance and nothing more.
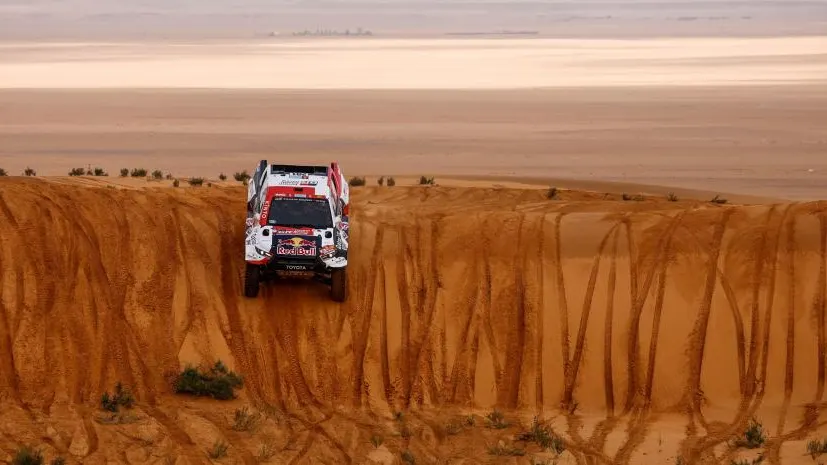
(297, 226)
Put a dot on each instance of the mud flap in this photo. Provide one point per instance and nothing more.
(252, 278)
(338, 284)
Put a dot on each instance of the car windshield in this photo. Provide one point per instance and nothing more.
(298, 213)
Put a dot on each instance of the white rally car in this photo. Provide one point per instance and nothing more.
(297, 225)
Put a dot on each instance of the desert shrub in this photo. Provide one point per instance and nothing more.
(506, 450)
(266, 451)
(124, 172)
(408, 458)
(754, 436)
(168, 176)
(3, 172)
(541, 435)
(470, 420)
(244, 420)
(195, 181)
(218, 382)
(27, 455)
(381, 181)
(551, 194)
(357, 181)
(719, 200)
(77, 172)
(391, 182)
(376, 440)
(138, 173)
(242, 176)
(453, 428)
(222, 177)
(816, 448)
(157, 174)
(219, 449)
(100, 172)
(671, 197)
(121, 398)
(626, 197)
(426, 181)
(29, 172)
(176, 183)
(496, 420)
(58, 461)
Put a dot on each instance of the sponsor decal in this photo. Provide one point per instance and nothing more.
(281, 231)
(296, 246)
(295, 267)
(328, 250)
(264, 211)
(250, 222)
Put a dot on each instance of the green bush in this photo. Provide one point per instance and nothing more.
(381, 181)
(357, 181)
(245, 421)
(376, 440)
(426, 181)
(551, 194)
(121, 398)
(195, 181)
(219, 450)
(754, 436)
(391, 182)
(816, 448)
(222, 177)
(26, 455)
(3, 172)
(218, 382)
(175, 183)
(543, 437)
(671, 197)
(124, 172)
(496, 420)
(138, 173)
(157, 174)
(77, 172)
(242, 176)
(29, 172)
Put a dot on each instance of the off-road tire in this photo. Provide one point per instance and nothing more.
(252, 277)
(338, 284)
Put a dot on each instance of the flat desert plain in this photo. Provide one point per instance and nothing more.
(489, 318)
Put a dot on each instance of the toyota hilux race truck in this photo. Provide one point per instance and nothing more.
(297, 226)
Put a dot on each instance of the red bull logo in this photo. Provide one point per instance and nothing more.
(296, 246)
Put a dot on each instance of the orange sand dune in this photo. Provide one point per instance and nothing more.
(639, 331)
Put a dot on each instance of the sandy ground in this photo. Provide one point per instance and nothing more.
(760, 141)
(636, 330)
(417, 63)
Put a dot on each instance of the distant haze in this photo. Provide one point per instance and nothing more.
(78, 19)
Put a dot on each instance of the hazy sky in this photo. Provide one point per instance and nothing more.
(247, 18)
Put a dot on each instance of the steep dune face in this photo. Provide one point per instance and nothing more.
(470, 298)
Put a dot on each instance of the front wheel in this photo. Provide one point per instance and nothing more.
(338, 284)
(252, 276)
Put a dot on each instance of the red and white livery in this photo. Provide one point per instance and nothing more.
(297, 225)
